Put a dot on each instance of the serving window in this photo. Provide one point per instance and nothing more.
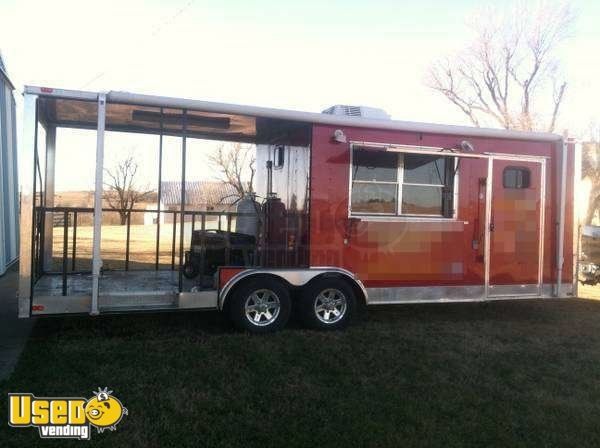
(402, 184)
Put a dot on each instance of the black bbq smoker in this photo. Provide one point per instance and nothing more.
(211, 248)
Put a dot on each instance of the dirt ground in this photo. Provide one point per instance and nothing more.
(142, 251)
(13, 331)
(589, 292)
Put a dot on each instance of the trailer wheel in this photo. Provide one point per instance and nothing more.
(260, 306)
(327, 304)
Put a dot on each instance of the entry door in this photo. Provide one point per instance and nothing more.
(515, 227)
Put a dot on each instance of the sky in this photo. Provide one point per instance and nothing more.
(304, 55)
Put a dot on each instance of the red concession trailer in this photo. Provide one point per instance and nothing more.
(349, 210)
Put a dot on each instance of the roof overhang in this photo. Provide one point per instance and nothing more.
(137, 113)
(82, 114)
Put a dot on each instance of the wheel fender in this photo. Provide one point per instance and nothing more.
(294, 277)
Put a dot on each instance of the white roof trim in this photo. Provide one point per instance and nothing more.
(306, 117)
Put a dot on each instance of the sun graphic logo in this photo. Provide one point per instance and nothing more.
(66, 417)
(104, 411)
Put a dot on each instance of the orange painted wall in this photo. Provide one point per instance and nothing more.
(417, 253)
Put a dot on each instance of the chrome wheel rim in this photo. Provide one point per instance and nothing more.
(330, 306)
(262, 307)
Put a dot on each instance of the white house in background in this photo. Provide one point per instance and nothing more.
(199, 195)
(9, 191)
(152, 217)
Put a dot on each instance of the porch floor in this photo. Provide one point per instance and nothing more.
(116, 283)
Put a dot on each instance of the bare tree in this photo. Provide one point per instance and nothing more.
(509, 75)
(590, 169)
(121, 192)
(236, 165)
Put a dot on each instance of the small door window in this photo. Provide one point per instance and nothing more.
(516, 177)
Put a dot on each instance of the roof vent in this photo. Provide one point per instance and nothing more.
(357, 111)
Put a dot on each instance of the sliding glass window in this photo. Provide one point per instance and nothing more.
(402, 184)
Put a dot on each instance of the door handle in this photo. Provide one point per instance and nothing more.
(492, 227)
(350, 225)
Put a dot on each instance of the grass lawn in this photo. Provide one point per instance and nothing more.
(500, 374)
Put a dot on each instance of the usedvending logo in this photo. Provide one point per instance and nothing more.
(66, 418)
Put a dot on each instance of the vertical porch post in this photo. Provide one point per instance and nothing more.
(26, 188)
(159, 198)
(49, 182)
(96, 260)
(182, 211)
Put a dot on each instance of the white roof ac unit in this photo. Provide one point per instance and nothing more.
(358, 111)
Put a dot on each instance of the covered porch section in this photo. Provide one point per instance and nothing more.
(84, 254)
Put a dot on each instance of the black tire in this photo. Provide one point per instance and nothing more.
(314, 296)
(190, 270)
(270, 317)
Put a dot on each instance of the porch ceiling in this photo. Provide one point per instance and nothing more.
(71, 113)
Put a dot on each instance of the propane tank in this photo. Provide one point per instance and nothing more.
(247, 223)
